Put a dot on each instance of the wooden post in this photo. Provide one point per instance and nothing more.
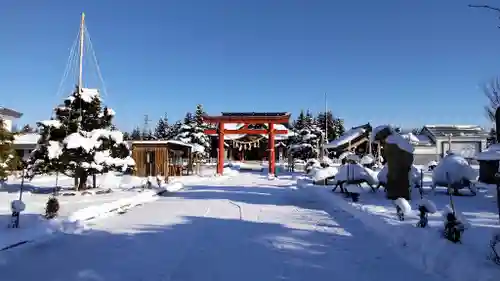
(271, 149)
(220, 159)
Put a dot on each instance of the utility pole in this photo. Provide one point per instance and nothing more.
(145, 129)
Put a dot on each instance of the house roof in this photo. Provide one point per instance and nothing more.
(10, 112)
(456, 130)
(31, 138)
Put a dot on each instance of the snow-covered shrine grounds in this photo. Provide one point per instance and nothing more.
(249, 226)
(114, 194)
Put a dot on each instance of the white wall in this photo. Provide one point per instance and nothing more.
(7, 122)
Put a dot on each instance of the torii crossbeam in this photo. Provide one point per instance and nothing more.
(247, 118)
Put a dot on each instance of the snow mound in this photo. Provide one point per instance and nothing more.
(453, 168)
(414, 174)
(324, 173)
(367, 160)
(404, 205)
(356, 172)
(429, 205)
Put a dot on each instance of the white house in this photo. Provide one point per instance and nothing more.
(8, 116)
(433, 141)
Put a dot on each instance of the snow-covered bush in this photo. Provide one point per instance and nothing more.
(312, 164)
(367, 160)
(79, 141)
(353, 172)
(453, 169)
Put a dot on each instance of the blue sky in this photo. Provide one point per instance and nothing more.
(407, 63)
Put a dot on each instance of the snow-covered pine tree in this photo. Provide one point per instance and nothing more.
(174, 130)
(162, 129)
(8, 159)
(191, 133)
(300, 122)
(78, 142)
(307, 140)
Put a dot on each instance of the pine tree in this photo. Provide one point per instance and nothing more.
(136, 134)
(335, 125)
(194, 133)
(175, 130)
(8, 159)
(162, 128)
(305, 143)
(309, 119)
(126, 136)
(78, 142)
(300, 122)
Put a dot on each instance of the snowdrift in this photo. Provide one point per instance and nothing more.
(356, 172)
(453, 169)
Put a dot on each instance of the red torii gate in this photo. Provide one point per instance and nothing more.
(247, 119)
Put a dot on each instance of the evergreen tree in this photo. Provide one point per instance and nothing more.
(126, 136)
(198, 116)
(8, 159)
(309, 119)
(300, 123)
(27, 129)
(162, 128)
(335, 125)
(78, 142)
(305, 143)
(175, 130)
(136, 134)
(147, 135)
(193, 133)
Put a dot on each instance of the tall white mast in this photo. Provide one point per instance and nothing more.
(82, 34)
(326, 121)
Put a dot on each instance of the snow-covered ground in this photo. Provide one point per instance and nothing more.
(240, 228)
(424, 247)
(76, 206)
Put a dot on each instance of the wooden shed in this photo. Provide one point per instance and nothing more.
(161, 157)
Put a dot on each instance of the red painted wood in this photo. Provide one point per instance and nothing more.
(220, 158)
(246, 132)
(247, 119)
(270, 141)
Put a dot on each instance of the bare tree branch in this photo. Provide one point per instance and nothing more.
(492, 93)
(485, 7)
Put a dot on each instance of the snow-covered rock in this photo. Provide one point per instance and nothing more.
(453, 168)
(323, 173)
(356, 172)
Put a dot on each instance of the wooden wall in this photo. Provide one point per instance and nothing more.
(160, 150)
